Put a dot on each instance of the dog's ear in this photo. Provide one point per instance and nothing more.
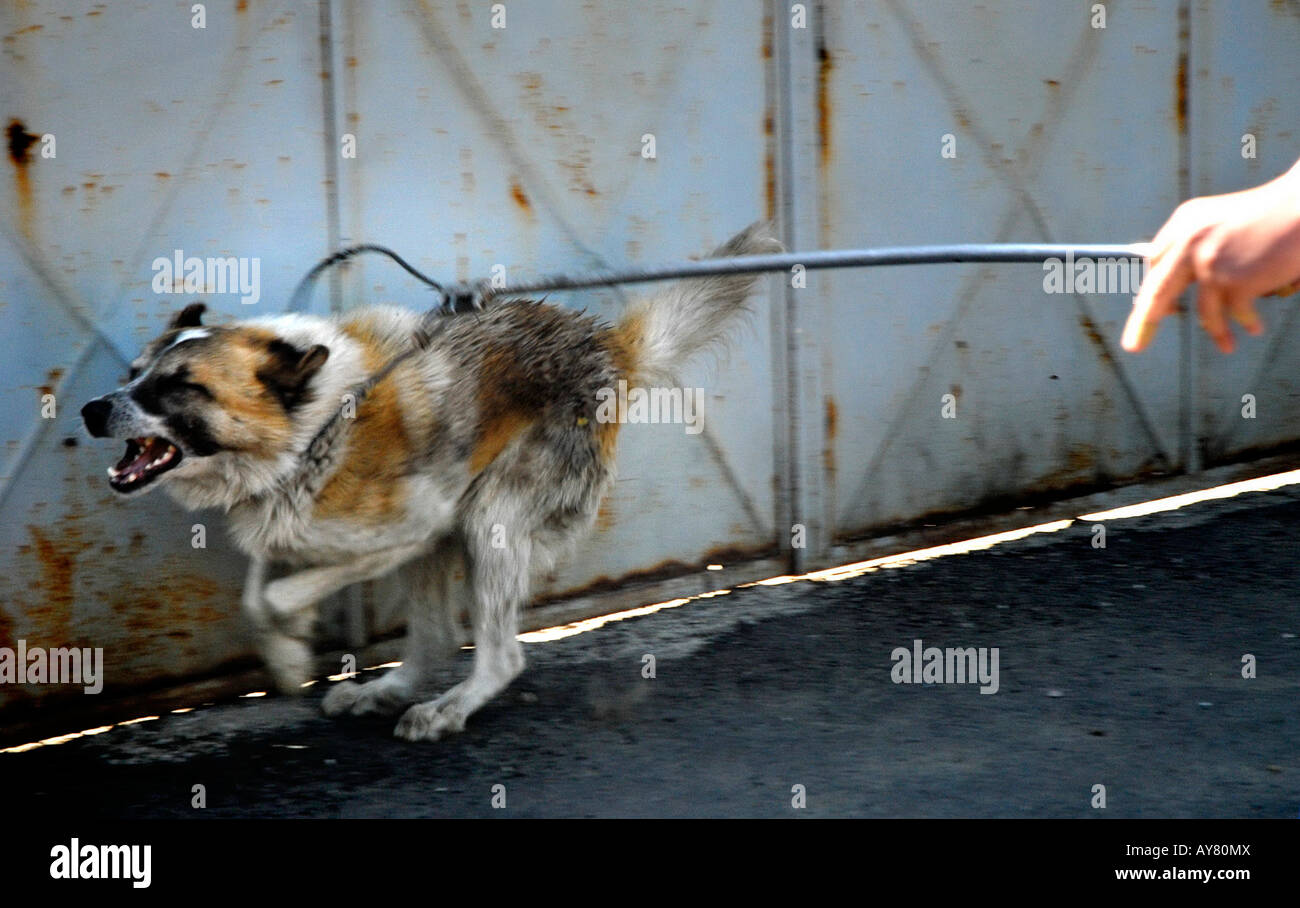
(189, 317)
(289, 369)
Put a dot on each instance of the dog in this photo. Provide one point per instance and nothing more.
(481, 454)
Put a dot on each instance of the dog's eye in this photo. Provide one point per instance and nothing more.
(133, 374)
(196, 388)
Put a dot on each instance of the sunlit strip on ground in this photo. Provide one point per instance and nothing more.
(1174, 502)
(590, 624)
(829, 575)
(857, 569)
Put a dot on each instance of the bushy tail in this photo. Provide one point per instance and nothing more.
(660, 332)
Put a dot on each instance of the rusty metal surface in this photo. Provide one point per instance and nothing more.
(1233, 95)
(162, 141)
(520, 147)
(475, 147)
(1062, 132)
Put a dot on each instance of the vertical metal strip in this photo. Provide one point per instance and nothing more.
(330, 147)
(1189, 416)
(775, 79)
(351, 601)
(797, 186)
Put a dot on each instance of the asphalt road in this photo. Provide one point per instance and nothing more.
(1119, 667)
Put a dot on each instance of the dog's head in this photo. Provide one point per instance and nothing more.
(198, 394)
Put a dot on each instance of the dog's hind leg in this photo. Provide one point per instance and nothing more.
(497, 571)
(432, 637)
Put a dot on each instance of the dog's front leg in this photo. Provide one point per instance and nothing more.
(283, 610)
(286, 655)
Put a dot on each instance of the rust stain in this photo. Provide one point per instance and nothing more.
(56, 555)
(6, 629)
(241, 6)
(168, 607)
(1052, 83)
(832, 430)
(604, 515)
(1180, 90)
(521, 198)
(1080, 465)
(1095, 336)
(162, 175)
(824, 67)
(51, 381)
(20, 142)
(769, 165)
(1180, 74)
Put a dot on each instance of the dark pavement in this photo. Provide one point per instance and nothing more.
(1118, 666)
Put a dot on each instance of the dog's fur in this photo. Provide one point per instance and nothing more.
(483, 452)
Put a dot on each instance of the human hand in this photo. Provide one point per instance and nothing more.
(1236, 247)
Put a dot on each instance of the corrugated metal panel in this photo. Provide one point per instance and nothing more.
(520, 146)
(1054, 142)
(1244, 75)
(166, 137)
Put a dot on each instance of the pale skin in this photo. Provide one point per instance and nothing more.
(1235, 247)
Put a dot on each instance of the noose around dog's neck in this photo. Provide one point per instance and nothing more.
(318, 459)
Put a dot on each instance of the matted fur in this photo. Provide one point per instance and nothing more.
(482, 455)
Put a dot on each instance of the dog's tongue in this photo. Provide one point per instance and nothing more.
(140, 452)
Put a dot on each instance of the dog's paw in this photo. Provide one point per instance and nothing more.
(430, 721)
(289, 661)
(372, 699)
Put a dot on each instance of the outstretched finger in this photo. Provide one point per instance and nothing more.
(1157, 297)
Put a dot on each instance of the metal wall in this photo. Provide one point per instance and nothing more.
(521, 147)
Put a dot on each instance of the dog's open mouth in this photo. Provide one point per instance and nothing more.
(145, 460)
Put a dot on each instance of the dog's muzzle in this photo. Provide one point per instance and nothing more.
(95, 415)
(147, 456)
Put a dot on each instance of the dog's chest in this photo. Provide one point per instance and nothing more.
(304, 530)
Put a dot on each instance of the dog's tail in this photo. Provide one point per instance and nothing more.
(660, 332)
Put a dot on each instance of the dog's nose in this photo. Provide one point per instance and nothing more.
(95, 414)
